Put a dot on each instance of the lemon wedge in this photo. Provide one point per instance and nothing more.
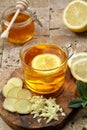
(79, 70)
(46, 64)
(76, 57)
(75, 16)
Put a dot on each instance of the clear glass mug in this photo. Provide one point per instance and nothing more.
(23, 28)
(43, 81)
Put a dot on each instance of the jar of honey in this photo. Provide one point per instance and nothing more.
(23, 28)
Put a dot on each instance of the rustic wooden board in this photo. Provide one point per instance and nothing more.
(27, 122)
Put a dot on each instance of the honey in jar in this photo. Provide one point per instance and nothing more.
(23, 28)
(50, 75)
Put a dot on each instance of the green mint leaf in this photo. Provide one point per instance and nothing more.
(84, 103)
(76, 103)
(82, 89)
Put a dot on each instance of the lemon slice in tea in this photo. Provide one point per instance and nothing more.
(75, 16)
(79, 70)
(46, 64)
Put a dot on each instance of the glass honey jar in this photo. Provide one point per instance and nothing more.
(22, 29)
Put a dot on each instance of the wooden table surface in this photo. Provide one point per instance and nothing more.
(49, 13)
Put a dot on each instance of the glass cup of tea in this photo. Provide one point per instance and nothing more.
(44, 66)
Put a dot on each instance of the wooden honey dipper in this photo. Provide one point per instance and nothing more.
(20, 6)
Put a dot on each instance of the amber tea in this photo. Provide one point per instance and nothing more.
(44, 67)
(22, 29)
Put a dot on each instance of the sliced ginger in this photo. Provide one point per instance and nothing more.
(24, 94)
(8, 104)
(13, 92)
(23, 106)
(15, 81)
(16, 96)
(20, 100)
(6, 89)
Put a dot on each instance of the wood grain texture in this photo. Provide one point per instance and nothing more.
(27, 122)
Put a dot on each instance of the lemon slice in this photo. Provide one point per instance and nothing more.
(46, 63)
(75, 16)
(79, 70)
(76, 57)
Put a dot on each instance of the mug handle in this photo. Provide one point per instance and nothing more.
(70, 49)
